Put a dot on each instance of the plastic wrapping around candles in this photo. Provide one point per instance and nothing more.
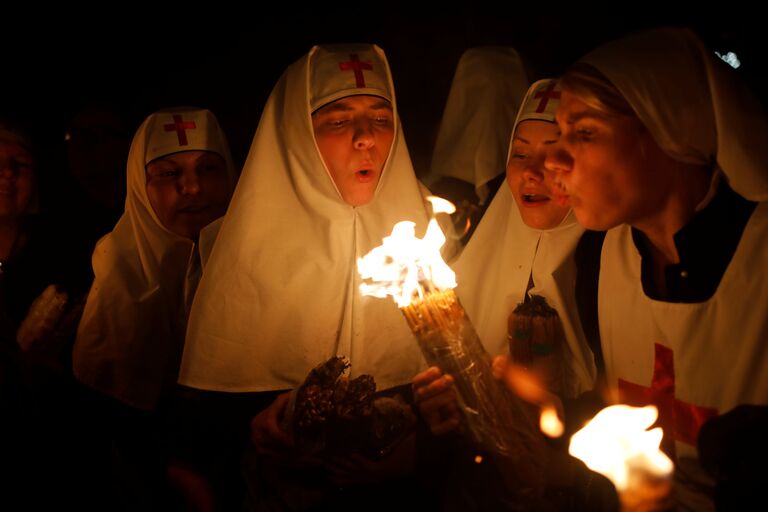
(496, 419)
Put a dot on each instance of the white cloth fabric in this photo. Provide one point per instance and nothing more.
(487, 89)
(130, 338)
(280, 292)
(719, 347)
(695, 107)
(504, 253)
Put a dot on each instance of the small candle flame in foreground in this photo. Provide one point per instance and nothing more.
(616, 441)
(405, 266)
(549, 423)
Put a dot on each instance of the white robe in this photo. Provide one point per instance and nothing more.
(280, 292)
(504, 254)
(493, 273)
(719, 347)
(130, 338)
(487, 89)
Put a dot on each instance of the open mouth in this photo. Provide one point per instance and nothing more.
(535, 198)
(364, 175)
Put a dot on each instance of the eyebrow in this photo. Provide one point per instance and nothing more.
(524, 141)
(334, 107)
(160, 159)
(343, 107)
(586, 114)
(383, 104)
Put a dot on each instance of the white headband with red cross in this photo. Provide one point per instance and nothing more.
(346, 70)
(541, 102)
(176, 130)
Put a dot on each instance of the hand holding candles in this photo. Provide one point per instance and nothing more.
(411, 270)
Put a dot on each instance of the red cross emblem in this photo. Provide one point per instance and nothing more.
(180, 128)
(679, 420)
(545, 96)
(356, 65)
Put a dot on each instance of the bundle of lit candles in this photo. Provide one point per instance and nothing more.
(616, 443)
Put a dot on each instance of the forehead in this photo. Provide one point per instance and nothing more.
(357, 102)
(184, 157)
(572, 108)
(536, 128)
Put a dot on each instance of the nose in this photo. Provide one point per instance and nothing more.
(363, 136)
(534, 169)
(558, 161)
(189, 183)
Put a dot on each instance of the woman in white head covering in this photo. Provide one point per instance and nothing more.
(524, 247)
(280, 292)
(327, 177)
(130, 339)
(664, 146)
(129, 342)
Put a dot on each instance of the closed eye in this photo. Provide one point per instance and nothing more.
(164, 173)
(209, 168)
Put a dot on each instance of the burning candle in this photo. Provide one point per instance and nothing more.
(411, 270)
(550, 423)
(617, 444)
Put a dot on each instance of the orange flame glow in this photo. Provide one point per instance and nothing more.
(404, 266)
(616, 442)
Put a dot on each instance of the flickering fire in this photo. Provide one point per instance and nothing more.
(406, 267)
(550, 423)
(617, 443)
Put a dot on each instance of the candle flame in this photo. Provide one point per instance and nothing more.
(616, 441)
(549, 423)
(406, 267)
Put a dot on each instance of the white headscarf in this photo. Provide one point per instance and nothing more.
(130, 338)
(504, 253)
(489, 84)
(693, 104)
(280, 292)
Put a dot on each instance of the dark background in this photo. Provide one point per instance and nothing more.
(51, 74)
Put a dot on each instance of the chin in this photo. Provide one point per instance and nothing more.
(191, 232)
(543, 223)
(592, 222)
(359, 199)
(358, 202)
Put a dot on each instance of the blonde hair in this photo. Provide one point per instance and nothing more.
(593, 88)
